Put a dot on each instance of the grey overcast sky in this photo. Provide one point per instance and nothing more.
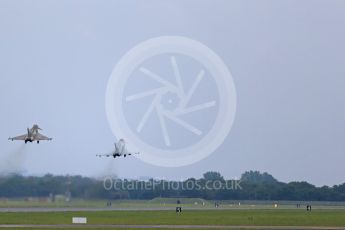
(287, 59)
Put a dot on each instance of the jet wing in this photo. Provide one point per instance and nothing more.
(21, 138)
(104, 155)
(40, 137)
(126, 152)
(129, 153)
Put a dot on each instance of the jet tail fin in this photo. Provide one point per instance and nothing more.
(116, 147)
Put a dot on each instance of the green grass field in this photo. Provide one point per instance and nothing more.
(188, 217)
(195, 212)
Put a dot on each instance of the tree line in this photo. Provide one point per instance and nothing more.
(252, 185)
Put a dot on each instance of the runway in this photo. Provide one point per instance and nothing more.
(95, 226)
(77, 209)
(82, 209)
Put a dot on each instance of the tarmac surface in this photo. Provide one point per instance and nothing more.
(79, 209)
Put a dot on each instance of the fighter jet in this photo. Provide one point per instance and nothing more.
(120, 150)
(32, 135)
